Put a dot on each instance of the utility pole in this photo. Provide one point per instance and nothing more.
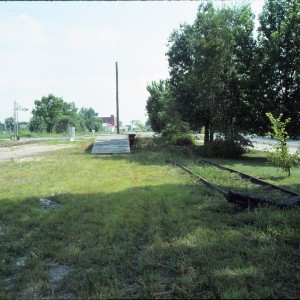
(117, 98)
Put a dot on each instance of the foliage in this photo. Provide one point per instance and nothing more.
(9, 123)
(37, 124)
(156, 105)
(143, 143)
(228, 148)
(209, 69)
(281, 157)
(182, 140)
(225, 80)
(278, 64)
(53, 114)
(91, 119)
(138, 125)
(163, 118)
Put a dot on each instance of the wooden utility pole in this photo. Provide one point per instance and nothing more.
(117, 98)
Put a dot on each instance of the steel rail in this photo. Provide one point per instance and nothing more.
(252, 178)
(199, 177)
(241, 198)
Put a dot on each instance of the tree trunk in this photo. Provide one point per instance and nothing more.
(206, 133)
(211, 136)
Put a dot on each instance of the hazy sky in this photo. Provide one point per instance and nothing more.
(69, 49)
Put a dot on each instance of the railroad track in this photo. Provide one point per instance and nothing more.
(245, 199)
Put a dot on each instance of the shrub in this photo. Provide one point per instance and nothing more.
(182, 140)
(281, 157)
(226, 148)
(142, 143)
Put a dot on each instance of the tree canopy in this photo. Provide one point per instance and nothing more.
(224, 79)
(208, 68)
(279, 62)
(53, 114)
(91, 119)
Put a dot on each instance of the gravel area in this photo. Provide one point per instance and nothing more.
(27, 151)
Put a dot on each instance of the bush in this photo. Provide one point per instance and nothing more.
(182, 140)
(228, 148)
(142, 143)
(281, 157)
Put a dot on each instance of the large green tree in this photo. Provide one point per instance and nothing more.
(53, 114)
(209, 68)
(279, 63)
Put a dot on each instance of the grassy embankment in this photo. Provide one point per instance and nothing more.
(132, 226)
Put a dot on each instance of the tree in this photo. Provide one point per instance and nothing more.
(209, 63)
(70, 117)
(91, 119)
(49, 109)
(37, 124)
(281, 157)
(156, 105)
(9, 123)
(53, 114)
(160, 109)
(138, 125)
(279, 63)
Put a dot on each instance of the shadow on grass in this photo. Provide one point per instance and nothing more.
(254, 164)
(161, 241)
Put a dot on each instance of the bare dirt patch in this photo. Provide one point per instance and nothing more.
(27, 152)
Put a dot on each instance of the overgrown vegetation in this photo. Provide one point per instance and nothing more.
(132, 226)
(227, 148)
(281, 156)
(224, 78)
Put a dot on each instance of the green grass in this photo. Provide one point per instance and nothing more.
(133, 226)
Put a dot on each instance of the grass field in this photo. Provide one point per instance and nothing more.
(133, 226)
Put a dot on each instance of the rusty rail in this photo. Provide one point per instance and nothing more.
(252, 178)
(199, 177)
(244, 199)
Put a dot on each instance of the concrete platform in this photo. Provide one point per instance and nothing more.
(109, 144)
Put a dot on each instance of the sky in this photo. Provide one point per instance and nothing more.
(70, 48)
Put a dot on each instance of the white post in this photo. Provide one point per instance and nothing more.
(72, 134)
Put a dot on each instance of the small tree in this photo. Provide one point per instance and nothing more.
(280, 156)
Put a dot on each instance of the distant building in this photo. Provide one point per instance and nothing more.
(110, 120)
(109, 123)
(107, 127)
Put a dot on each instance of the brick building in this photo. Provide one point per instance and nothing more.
(110, 120)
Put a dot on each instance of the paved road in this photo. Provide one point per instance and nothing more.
(262, 143)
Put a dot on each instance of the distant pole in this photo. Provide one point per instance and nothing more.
(117, 98)
(17, 107)
(15, 120)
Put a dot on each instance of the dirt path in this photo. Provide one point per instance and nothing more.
(26, 151)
